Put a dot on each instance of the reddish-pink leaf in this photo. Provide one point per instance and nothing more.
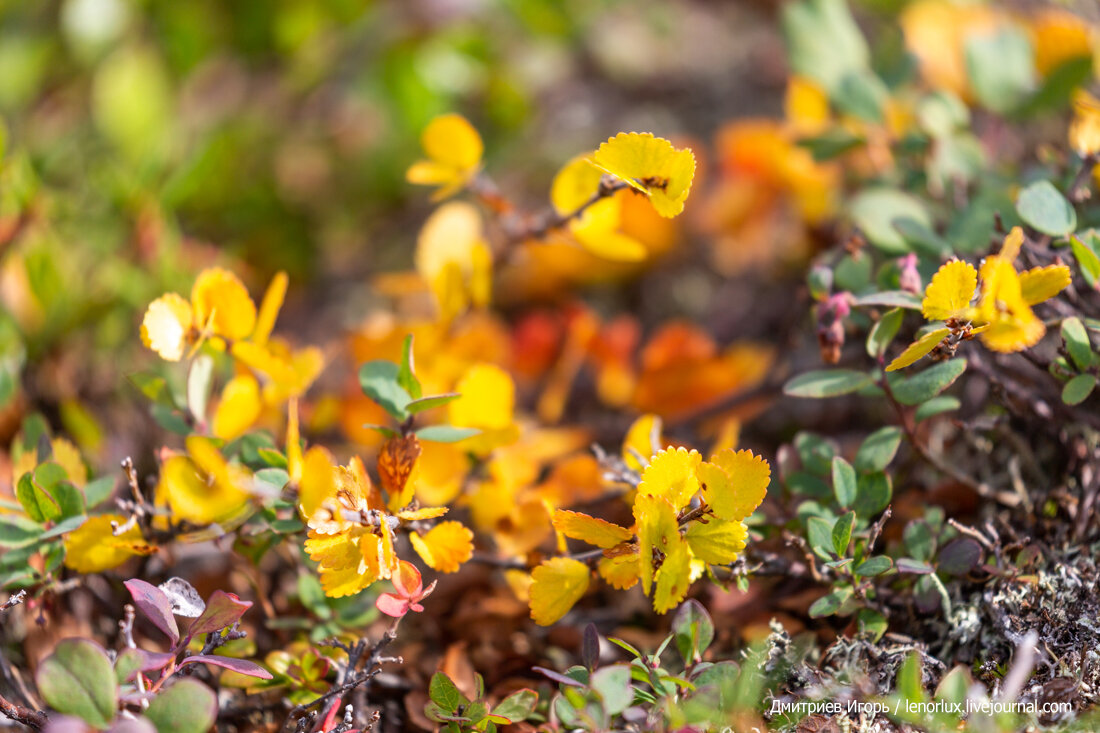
(222, 610)
(155, 605)
(151, 661)
(392, 605)
(243, 666)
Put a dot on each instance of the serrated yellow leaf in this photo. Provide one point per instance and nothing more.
(716, 541)
(643, 438)
(673, 577)
(748, 478)
(658, 531)
(918, 349)
(222, 304)
(671, 474)
(1042, 283)
(556, 586)
(620, 571)
(239, 407)
(950, 292)
(651, 165)
(588, 529)
(347, 562)
(445, 546)
(167, 325)
(93, 547)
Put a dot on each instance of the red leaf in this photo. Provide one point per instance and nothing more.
(222, 610)
(243, 666)
(392, 605)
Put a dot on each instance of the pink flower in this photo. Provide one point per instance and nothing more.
(410, 591)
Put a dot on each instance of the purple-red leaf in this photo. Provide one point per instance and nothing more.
(151, 661)
(155, 605)
(243, 666)
(558, 677)
(222, 610)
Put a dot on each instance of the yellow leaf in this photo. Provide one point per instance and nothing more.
(658, 531)
(487, 401)
(445, 546)
(1010, 249)
(454, 149)
(396, 463)
(588, 529)
(556, 586)
(441, 473)
(520, 584)
(222, 303)
(167, 326)
(270, 306)
(293, 442)
(651, 165)
(238, 409)
(430, 512)
(598, 227)
(347, 562)
(643, 438)
(67, 455)
(1012, 324)
(198, 498)
(918, 349)
(620, 571)
(93, 547)
(748, 479)
(671, 474)
(716, 541)
(673, 577)
(950, 292)
(574, 185)
(1084, 131)
(1042, 283)
(317, 482)
(454, 259)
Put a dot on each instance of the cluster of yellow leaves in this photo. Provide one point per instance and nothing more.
(1002, 316)
(352, 527)
(454, 150)
(688, 513)
(221, 313)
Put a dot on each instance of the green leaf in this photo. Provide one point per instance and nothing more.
(51, 478)
(613, 684)
(878, 449)
(876, 565)
(909, 683)
(928, 383)
(98, 491)
(1077, 342)
(77, 679)
(872, 623)
(188, 706)
(913, 566)
(889, 299)
(877, 211)
(831, 144)
(861, 94)
(1087, 260)
(826, 383)
(1078, 389)
(918, 539)
(199, 382)
(819, 533)
(873, 494)
(446, 433)
(815, 452)
(444, 693)
(823, 41)
(853, 273)
(18, 531)
(829, 604)
(426, 403)
(379, 381)
(38, 505)
(1001, 67)
(842, 533)
(844, 482)
(1045, 209)
(693, 630)
(406, 375)
(517, 706)
(883, 332)
(170, 419)
(936, 406)
(153, 386)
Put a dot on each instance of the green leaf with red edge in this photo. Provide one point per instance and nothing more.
(156, 606)
(444, 693)
(222, 611)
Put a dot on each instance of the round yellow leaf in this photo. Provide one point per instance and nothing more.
(238, 409)
(671, 474)
(594, 531)
(716, 541)
(651, 165)
(556, 586)
(487, 401)
(93, 547)
(221, 301)
(166, 326)
(950, 292)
